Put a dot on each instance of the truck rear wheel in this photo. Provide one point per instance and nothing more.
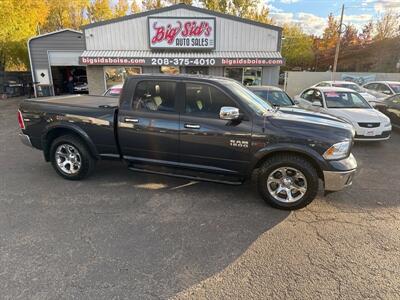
(287, 181)
(70, 157)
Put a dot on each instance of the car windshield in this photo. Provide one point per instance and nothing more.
(395, 87)
(351, 86)
(258, 105)
(345, 100)
(276, 98)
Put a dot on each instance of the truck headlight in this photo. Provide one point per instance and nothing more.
(337, 151)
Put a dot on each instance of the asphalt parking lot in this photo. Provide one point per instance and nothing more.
(124, 235)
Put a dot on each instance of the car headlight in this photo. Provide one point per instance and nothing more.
(337, 151)
(388, 124)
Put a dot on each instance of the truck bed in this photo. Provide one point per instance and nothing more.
(82, 101)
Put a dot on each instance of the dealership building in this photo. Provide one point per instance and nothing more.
(176, 39)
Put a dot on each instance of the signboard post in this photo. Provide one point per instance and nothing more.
(181, 33)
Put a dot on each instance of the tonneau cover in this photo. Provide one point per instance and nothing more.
(81, 100)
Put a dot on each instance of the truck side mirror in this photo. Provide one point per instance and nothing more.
(229, 113)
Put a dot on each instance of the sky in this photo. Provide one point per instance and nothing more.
(312, 14)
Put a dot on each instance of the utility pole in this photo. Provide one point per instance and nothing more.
(338, 41)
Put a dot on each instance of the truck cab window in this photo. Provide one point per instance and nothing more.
(154, 96)
(205, 100)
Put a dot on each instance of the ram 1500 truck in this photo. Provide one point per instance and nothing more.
(202, 128)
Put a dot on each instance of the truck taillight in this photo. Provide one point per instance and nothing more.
(21, 120)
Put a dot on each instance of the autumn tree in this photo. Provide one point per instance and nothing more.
(135, 8)
(20, 21)
(152, 4)
(216, 5)
(365, 36)
(330, 34)
(387, 26)
(99, 10)
(66, 14)
(121, 8)
(350, 37)
(297, 47)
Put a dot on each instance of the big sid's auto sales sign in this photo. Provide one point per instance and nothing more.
(181, 33)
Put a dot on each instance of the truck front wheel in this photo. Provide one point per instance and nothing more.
(287, 181)
(70, 157)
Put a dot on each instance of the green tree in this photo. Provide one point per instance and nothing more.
(297, 47)
(216, 5)
(99, 10)
(121, 8)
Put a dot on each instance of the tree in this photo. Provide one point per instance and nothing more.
(297, 47)
(135, 8)
(350, 37)
(387, 26)
(66, 14)
(121, 8)
(99, 10)
(330, 35)
(20, 21)
(261, 15)
(152, 4)
(244, 8)
(365, 36)
(216, 5)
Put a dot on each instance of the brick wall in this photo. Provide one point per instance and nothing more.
(95, 77)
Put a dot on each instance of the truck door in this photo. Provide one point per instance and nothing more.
(208, 142)
(149, 130)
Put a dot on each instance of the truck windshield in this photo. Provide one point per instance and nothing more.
(258, 105)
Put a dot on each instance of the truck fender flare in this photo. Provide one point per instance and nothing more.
(71, 128)
(286, 147)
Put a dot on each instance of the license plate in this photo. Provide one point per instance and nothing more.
(370, 133)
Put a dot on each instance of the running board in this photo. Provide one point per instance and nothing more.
(187, 176)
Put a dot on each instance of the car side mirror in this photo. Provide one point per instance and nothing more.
(295, 101)
(316, 103)
(229, 113)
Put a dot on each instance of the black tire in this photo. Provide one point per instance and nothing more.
(291, 161)
(87, 162)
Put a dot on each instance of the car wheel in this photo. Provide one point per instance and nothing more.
(71, 158)
(287, 182)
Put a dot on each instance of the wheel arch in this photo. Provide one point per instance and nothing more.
(308, 154)
(58, 130)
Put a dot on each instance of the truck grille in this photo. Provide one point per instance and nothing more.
(369, 125)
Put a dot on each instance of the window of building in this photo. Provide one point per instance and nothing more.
(197, 70)
(117, 75)
(169, 70)
(246, 76)
(154, 96)
(205, 101)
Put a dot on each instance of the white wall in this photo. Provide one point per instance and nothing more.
(296, 82)
(132, 34)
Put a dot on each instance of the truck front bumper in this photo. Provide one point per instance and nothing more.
(25, 139)
(336, 181)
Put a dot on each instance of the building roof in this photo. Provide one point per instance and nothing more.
(188, 7)
(54, 32)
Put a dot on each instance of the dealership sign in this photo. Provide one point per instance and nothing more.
(181, 33)
(179, 61)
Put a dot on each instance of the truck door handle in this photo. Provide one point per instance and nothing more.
(130, 120)
(192, 126)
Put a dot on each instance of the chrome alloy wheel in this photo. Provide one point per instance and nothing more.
(68, 159)
(287, 184)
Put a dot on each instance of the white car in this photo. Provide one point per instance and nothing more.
(369, 124)
(371, 97)
(387, 88)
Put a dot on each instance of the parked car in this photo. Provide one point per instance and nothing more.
(372, 98)
(274, 95)
(385, 87)
(114, 91)
(391, 108)
(80, 85)
(201, 128)
(369, 124)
